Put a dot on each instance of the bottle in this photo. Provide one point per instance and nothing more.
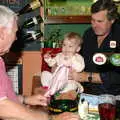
(83, 108)
(116, 1)
(32, 21)
(31, 36)
(30, 7)
(105, 58)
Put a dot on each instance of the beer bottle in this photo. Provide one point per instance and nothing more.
(30, 7)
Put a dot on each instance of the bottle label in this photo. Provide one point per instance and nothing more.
(34, 36)
(35, 4)
(35, 20)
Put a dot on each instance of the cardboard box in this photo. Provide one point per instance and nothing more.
(92, 101)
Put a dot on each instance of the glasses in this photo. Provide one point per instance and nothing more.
(107, 107)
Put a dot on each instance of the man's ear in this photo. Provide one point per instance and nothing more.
(78, 49)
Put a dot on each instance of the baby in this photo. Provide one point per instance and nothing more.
(68, 59)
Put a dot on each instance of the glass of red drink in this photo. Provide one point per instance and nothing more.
(107, 107)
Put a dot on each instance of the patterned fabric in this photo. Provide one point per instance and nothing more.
(58, 81)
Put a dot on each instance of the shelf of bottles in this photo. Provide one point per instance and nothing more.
(30, 32)
(29, 35)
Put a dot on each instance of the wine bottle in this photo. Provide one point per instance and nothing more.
(35, 35)
(32, 22)
(105, 58)
(30, 7)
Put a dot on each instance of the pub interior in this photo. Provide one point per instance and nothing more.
(42, 26)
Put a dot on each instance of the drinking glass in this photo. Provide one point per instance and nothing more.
(107, 107)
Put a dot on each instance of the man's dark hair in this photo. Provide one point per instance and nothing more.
(108, 5)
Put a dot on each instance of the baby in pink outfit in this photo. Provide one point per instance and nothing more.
(66, 60)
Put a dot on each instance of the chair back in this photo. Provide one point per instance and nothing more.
(53, 52)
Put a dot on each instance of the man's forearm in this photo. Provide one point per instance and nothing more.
(84, 77)
(12, 110)
(96, 78)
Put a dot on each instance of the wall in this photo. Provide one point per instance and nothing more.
(79, 28)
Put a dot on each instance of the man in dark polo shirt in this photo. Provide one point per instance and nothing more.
(102, 37)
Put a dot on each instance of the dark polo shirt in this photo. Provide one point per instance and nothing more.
(109, 73)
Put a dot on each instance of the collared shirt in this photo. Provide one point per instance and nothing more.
(6, 88)
(109, 73)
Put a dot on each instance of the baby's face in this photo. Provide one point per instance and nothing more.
(70, 47)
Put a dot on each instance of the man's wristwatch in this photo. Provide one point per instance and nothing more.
(90, 77)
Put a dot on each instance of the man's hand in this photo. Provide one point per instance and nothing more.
(78, 76)
(36, 100)
(83, 76)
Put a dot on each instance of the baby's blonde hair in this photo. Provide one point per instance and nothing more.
(72, 35)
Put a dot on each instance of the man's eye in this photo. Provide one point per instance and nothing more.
(99, 21)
